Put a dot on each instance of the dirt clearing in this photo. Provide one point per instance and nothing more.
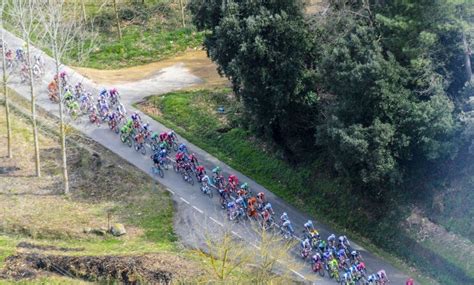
(196, 61)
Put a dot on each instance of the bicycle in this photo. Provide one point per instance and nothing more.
(318, 267)
(139, 146)
(206, 189)
(334, 273)
(173, 144)
(126, 139)
(113, 126)
(187, 176)
(157, 170)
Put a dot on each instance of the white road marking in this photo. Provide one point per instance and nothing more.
(236, 234)
(197, 209)
(217, 222)
(169, 190)
(299, 274)
(184, 200)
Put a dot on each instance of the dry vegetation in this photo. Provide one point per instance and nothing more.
(40, 224)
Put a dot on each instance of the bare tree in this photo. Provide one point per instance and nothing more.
(182, 7)
(26, 15)
(62, 32)
(229, 259)
(117, 20)
(5, 78)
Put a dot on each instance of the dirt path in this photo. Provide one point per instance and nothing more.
(195, 61)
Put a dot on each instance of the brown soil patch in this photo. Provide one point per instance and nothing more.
(195, 60)
(314, 6)
(147, 269)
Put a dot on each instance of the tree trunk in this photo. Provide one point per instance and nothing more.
(119, 29)
(467, 58)
(7, 104)
(62, 131)
(84, 15)
(33, 109)
(181, 6)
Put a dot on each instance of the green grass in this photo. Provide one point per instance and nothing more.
(193, 114)
(149, 33)
(143, 206)
(139, 46)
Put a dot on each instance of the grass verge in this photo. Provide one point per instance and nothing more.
(194, 115)
(138, 46)
(105, 190)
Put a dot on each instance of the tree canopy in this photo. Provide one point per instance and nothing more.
(377, 84)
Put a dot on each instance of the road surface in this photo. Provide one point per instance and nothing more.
(197, 217)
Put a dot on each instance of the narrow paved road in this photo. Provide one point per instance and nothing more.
(197, 216)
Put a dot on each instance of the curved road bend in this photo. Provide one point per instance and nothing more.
(197, 217)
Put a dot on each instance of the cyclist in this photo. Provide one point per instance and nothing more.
(103, 107)
(309, 226)
(216, 171)
(346, 277)
(268, 207)
(113, 117)
(193, 159)
(200, 172)
(53, 90)
(157, 158)
(73, 106)
(233, 181)
(179, 157)
(114, 94)
(410, 281)
(68, 95)
(341, 254)
(261, 198)
(19, 54)
(163, 136)
(361, 267)
(9, 56)
(316, 258)
(183, 148)
(241, 202)
(333, 264)
(267, 221)
(305, 248)
(244, 187)
(163, 145)
(139, 138)
(372, 279)
(136, 117)
(146, 127)
(217, 178)
(78, 89)
(163, 153)
(343, 242)
(284, 217)
(322, 245)
(231, 207)
(382, 276)
(103, 94)
(287, 225)
(332, 240)
(355, 256)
